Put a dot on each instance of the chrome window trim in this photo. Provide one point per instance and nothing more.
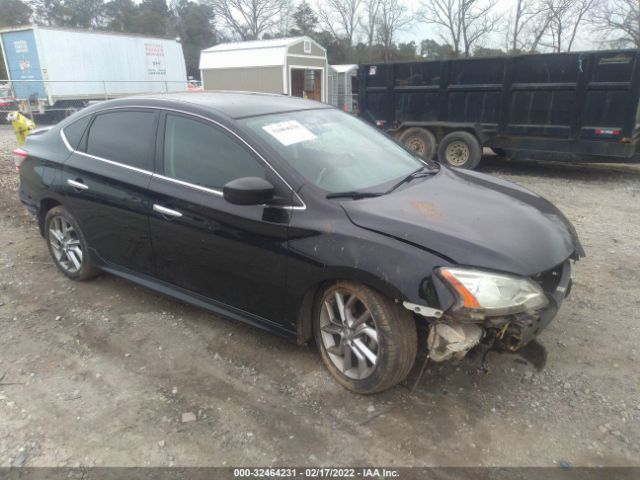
(219, 192)
(65, 141)
(187, 184)
(94, 157)
(118, 164)
(181, 182)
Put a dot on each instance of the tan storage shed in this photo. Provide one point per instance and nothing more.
(292, 66)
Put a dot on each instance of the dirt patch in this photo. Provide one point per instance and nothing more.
(103, 372)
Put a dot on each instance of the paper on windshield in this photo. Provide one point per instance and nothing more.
(289, 132)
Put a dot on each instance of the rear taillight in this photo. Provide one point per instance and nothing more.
(18, 156)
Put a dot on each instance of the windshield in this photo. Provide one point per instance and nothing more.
(334, 150)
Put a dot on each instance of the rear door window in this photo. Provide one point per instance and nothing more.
(126, 137)
(202, 154)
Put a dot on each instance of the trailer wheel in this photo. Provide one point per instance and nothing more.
(419, 140)
(460, 149)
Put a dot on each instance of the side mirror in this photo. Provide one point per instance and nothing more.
(248, 191)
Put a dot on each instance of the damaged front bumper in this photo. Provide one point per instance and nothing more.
(452, 335)
(523, 328)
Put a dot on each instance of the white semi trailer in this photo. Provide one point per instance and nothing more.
(61, 70)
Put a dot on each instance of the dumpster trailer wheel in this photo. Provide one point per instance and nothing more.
(420, 141)
(460, 149)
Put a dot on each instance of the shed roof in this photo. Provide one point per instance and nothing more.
(345, 68)
(257, 53)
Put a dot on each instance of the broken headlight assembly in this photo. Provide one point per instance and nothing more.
(484, 294)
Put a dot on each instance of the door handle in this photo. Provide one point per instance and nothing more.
(78, 185)
(166, 211)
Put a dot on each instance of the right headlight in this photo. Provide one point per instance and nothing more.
(493, 294)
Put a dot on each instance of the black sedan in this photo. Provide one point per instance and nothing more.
(302, 220)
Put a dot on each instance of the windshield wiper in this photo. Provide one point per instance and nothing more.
(354, 194)
(421, 172)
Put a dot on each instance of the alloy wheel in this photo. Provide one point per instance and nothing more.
(457, 153)
(349, 334)
(65, 244)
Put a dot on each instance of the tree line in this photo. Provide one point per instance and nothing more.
(353, 31)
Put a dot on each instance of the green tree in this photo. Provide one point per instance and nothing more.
(82, 13)
(406, 51)
(120, 15)
(157, 6)
(487, 52)
(152, 18)
(149, 23)
(13, 13)
(305, 20)
(432, 50)
(47, 12)
(338, 51)
(193, 23)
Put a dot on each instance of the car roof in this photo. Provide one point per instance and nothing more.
(239, 104)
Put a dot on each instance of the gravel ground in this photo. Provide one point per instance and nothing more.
(108, 373)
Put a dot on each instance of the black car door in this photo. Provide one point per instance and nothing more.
(105, 181)
(229, 253)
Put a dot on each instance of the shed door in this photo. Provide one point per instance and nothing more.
(306, 83)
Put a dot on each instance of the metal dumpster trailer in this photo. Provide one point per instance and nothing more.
(570, 106)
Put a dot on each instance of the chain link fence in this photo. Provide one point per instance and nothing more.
(59, 98)
(52, 100)
(347, 102)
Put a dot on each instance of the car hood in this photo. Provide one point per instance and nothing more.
(472, 219)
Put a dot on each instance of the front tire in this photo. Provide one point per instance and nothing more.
(460, 149)
(67, 245)
(367, 342)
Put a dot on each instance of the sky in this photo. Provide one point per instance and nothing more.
(419, 31)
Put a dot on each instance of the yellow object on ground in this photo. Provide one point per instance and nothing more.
(22, 126)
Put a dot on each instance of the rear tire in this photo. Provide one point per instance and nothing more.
(460, 149)
(420, 141)
(67, 245)
(372, 355)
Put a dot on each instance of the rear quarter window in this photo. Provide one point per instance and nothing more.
(74, 131)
